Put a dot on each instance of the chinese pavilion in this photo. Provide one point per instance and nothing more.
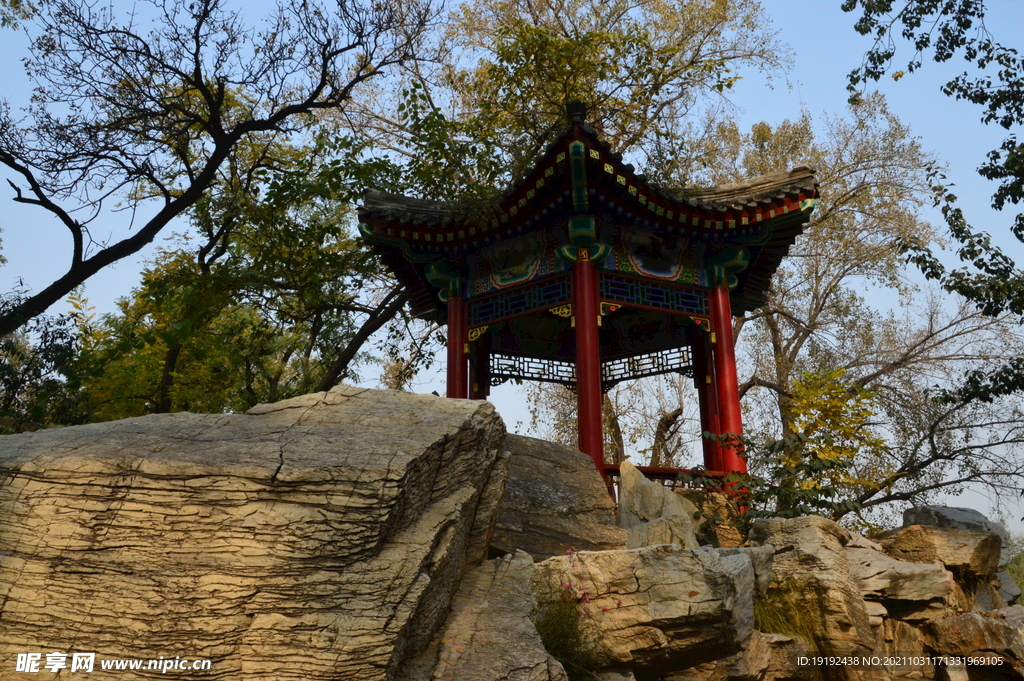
(585, 274)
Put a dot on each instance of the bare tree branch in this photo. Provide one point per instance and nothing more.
(138, 115)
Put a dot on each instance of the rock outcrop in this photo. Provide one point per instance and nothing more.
(1003, 588)
(767, 657)
(952, 518)
(653, 514)
(966, 552)
(811, 563)
(719, 517)
(489, 635)
(993, 635)
(343, 535)
(555, 501)
(317, 538)
(913, 590)
(971, 556)
(897, 600)
(661, 608)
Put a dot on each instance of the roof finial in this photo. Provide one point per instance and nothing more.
(576, 111)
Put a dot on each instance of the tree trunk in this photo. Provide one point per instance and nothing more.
(163, 400)
(616, 445)
(661, 436)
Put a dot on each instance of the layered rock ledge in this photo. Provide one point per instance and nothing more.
(317, 538)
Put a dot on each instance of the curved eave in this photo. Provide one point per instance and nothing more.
(423, 303)
(711, 213)
(755, 280)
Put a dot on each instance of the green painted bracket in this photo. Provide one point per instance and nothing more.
(724, 267)
(566, 253)
(445, 277)
(582, 230)
(599, 251)
(578, 166)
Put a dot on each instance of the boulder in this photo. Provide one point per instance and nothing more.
(614, 675)
(554, 501)
(784, 653)
(811, 563)
(950, 517)
(954, 518)
(661, 608)
(924, 590)
(761, 558)
(317, 538)
(965, 552)
(904, 646)
(489, 634)
(999, 633)
(652, 513)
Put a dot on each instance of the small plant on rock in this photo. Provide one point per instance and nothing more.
(566, 627)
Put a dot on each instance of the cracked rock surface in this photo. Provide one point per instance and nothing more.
(489, 635)
(317, 538)
(810, 557)
(555, 501)
(660, 608)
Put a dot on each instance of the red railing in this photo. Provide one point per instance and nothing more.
(669, 477)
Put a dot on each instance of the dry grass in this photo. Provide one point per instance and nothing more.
(784, 611)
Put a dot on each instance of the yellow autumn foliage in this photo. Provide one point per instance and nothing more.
(835, 417)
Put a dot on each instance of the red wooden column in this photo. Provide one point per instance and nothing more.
(707, 397)
(727, 386)
(458, 337)
(586, 312)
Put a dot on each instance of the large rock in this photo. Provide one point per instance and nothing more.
(489, 635)
(784, 658)
(317, 538)
(1004, 589)
(652, 513)
(983, 635)
(954, 518)
(555, 501)
(811, 563)
(903, 647)
(972, 555)
(614, 675)
(965, 552)
(920, 591)
(719, 521)
(660, 608)
(949, 517)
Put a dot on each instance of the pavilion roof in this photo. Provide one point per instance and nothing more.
(769, 211)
